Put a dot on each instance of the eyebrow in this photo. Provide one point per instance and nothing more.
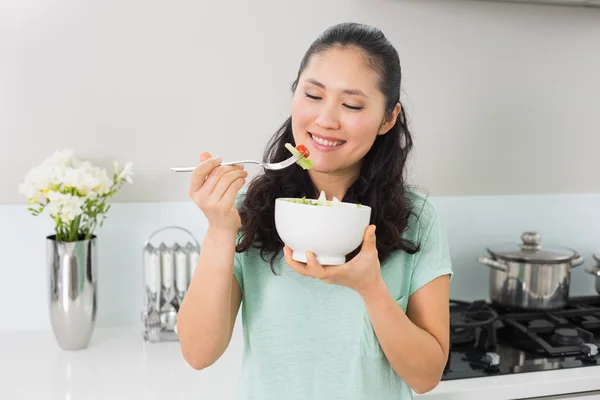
(353, 92)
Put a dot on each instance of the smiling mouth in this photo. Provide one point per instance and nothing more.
(328, 143)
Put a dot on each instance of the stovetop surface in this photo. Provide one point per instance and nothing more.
(488, 340)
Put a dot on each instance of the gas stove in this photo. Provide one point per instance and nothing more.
(490, 340)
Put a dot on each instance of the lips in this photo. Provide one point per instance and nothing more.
(329, 138)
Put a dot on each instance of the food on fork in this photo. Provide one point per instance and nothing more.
(303, 161)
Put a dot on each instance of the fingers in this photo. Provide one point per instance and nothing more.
(312, 268)
(201, 172)
(214, 187)
(204, 156)
(315, 268)
(369, 240)
(219, 181)
(225, 182)
(233, 190)
(295, 265)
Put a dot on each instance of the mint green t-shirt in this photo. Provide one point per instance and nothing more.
(305, 339)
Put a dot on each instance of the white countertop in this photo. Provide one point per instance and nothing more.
(118, 364)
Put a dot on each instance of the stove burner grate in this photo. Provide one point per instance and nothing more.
(549, 333)
(472, 325)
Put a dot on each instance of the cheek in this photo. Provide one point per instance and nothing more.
(362, 127)
(302, 113)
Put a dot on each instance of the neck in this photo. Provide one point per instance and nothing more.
(334, 184)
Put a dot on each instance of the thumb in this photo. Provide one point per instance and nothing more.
(370, 241)
(204, 156)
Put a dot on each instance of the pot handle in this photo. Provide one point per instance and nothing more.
(577, 260)
(594, 271)
(493, 264)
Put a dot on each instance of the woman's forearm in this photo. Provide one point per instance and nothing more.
(204, 320)
(414, 354)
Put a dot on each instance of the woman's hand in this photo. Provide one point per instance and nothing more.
(214, 189)
(361, 273)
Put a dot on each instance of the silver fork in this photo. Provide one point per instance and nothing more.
(152, 318)
(274, 166)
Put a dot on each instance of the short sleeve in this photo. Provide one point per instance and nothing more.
(433, 259)
(238, 270)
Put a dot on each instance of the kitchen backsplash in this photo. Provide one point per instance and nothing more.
(472, 224)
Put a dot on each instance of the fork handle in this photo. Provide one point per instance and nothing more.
(182, 169)
(225, 164)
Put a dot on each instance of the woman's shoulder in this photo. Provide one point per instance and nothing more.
(425, 229)
(424, 214)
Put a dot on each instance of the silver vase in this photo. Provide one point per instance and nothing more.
(73, 299)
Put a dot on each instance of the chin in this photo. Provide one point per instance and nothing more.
(323, 168)
(319, 169)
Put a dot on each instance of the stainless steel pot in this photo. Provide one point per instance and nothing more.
(596, 271)
(529, 276)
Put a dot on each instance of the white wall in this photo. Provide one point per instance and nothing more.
(157, 82)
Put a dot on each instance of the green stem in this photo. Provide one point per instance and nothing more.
(74, 229)
(57, 229)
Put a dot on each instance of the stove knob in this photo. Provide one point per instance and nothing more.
(590, 349)
(493, 359)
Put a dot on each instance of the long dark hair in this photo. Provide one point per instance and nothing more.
(381, 183)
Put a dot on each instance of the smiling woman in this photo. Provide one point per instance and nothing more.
(375, 326)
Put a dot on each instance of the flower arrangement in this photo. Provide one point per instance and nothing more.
(73, 192)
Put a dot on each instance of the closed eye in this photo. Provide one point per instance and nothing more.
(348, 106)
(356, 108)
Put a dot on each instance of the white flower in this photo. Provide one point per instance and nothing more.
(64, 186)
(64, 205)
(127, 173)
(47, 176)
(64, 157)
(36, 184)
(72, 178)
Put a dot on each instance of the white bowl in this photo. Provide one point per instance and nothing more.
(329, 232)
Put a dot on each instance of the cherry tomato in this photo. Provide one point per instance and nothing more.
(302, 149)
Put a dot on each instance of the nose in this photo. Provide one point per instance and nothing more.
(328, 118)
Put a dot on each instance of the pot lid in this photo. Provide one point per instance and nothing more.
(531, 250)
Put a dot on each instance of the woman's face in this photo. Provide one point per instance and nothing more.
(338, 110)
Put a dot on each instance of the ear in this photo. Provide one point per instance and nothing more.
(390, 120)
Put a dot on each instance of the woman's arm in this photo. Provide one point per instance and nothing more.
(416, 343)
(207, 315)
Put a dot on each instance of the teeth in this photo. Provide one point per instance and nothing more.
(325, 142)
